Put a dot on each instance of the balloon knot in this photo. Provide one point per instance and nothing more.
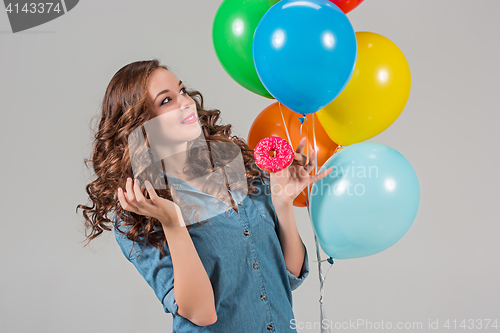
(302, 119)
(330, 260)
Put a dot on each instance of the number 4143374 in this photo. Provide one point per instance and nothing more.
(33, 8)
(471, 324)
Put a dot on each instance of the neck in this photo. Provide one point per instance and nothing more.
(174, 156)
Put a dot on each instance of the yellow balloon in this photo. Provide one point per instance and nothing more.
(375, 96)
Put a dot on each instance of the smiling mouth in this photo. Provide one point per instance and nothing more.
(190, 117)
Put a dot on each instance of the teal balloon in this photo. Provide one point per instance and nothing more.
(366, 203)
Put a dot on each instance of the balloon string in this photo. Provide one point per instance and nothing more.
(315, 149)
(307, 136)
(318, 255)
(286, 129)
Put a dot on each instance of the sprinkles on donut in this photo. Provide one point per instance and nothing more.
(273, 154)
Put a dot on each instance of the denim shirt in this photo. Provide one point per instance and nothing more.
(242, 256)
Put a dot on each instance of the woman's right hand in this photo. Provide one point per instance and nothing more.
(166, 211)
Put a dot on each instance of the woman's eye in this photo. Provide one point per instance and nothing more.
(164, 101)
(183, 88)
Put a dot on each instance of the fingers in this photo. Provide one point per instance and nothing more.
(124, 202)
(132, 199)
(152, 193)
(320, 175)
(312, 161)
(323, 174)
(302, 144)
(130, 192)
(139, 197)
(300, 158)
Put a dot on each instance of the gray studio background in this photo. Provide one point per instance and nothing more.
(53, 78)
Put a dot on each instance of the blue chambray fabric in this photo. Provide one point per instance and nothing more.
(228, 256)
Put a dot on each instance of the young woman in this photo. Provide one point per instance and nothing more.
(232, 273)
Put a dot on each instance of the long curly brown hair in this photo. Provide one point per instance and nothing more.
(124, 108)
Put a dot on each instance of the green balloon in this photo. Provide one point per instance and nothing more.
(232, 36)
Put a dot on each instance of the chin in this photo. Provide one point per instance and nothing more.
(196, 132)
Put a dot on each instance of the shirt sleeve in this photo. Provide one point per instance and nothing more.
(295, 282)
(158, 272)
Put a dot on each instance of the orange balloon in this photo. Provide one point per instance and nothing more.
(270, 123)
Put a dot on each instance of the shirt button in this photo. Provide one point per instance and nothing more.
(262, 297)
(246, 232)
(269, 327)
(255, 265)
(239, 203)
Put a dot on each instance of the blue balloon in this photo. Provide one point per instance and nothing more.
(366, 203)
(304, 53)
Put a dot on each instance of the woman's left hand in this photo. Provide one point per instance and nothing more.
(288, 183)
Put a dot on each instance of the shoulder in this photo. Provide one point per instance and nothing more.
(120, 231)
(119, 228)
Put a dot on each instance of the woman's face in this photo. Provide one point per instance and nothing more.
(170, 102)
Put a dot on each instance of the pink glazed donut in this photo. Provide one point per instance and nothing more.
(273, 154)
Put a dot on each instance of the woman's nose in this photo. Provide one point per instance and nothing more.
(185, 101)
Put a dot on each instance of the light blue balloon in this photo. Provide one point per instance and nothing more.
(304, 53)
(367, 202)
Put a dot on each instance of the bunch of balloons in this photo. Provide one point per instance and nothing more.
(307, 56)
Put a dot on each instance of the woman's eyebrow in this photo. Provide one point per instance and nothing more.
(164, 91)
